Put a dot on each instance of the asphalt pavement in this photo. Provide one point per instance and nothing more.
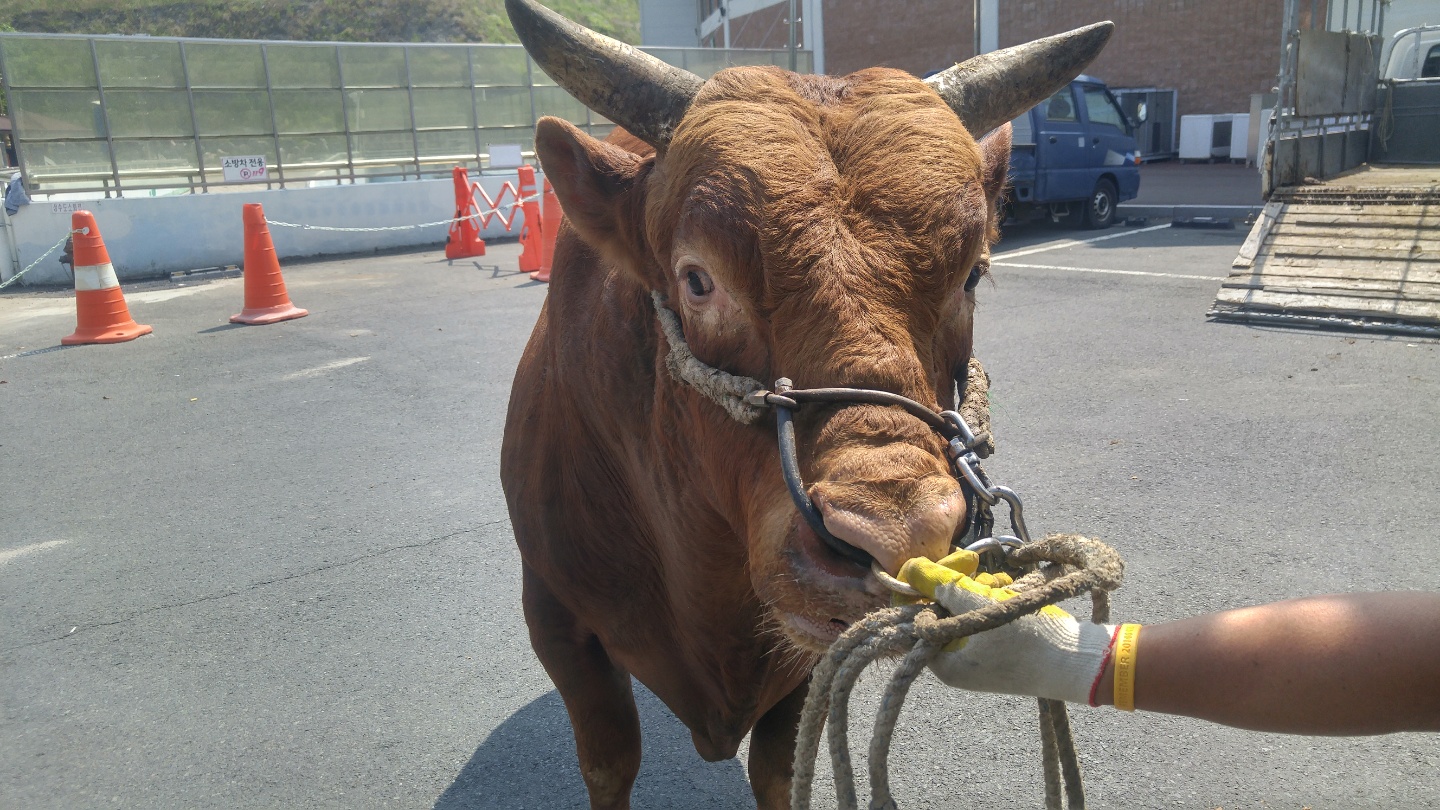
(1176, 189)
(270, 567)
(1173, 182)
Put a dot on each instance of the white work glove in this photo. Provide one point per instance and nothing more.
(1046, 654)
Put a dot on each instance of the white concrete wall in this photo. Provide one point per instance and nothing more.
(668, 23)
(155, 236)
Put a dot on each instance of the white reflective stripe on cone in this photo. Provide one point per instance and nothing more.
(96, 277)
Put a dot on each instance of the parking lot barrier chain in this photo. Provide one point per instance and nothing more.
(32, 265)
(476, 216)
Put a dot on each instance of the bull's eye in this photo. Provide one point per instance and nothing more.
(698, 284)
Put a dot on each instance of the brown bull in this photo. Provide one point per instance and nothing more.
(809, 227)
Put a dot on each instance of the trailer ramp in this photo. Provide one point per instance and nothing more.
(1360, 251)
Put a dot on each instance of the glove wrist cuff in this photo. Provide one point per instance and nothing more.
(1083, 664)
(1104, 662)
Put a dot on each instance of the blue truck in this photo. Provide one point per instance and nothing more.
(1074, 157)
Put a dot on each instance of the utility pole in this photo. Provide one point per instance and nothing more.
(977, 27)
(794, 57)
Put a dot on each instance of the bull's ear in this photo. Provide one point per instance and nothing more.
(995, 162)
(598, 185)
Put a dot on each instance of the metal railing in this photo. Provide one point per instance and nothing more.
(1321, 124)
(120, 115)
(1390, 70)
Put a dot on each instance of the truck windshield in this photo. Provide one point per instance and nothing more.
(1102, 109)
(1060, 107)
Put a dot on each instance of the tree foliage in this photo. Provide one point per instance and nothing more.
(342, 20)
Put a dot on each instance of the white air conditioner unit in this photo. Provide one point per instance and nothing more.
(1197, 136)
(1240, 138)
(1220, 139)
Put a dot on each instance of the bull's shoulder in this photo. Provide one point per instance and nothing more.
(583, 392)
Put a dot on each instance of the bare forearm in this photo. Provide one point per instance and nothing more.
(1345, 664)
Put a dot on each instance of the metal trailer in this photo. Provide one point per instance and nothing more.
(1350, 234)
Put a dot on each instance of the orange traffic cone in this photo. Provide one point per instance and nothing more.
(266, 300)
(529, 232)
(100, 312)
(549, 229)
(463, 239)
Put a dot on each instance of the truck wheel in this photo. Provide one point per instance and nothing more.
(1100, 208)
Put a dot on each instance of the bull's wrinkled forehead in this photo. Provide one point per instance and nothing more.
(809, 168)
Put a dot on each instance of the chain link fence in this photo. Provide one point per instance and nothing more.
(120, 116)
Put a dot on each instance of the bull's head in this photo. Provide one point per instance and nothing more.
(815, 228)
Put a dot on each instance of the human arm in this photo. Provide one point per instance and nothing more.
(1360, 663)
(1346, 664)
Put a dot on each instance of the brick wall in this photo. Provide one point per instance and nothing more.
(1214, 52)
(915, 35)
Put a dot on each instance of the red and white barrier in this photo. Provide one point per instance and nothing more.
(537, 234)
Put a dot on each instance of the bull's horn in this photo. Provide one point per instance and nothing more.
(630, 87)
(992, 88)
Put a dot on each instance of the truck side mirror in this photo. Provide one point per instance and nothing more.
(1142, 113)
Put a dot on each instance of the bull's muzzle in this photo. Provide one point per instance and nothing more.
(880, 501)
(893, 527)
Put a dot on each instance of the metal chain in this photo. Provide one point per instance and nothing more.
(476, 216)
(52, 249)
(967, 466)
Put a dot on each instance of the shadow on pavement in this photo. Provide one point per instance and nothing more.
(32, 352)
(529, 762)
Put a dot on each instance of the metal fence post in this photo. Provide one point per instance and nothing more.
(274, 125)
(530, 82)
(194, 123)
(345, 117)
(15, 137)
(474, 105)
(410, 95)
(19, 159)
(105, 120)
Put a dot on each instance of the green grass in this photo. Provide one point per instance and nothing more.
(343, 20)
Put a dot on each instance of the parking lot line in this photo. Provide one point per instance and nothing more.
(7, 556)
(318, 370)
(1109, 272)
(1014, 254)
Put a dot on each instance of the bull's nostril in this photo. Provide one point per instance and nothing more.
(850, 552)
(891, 538)
(826, 557)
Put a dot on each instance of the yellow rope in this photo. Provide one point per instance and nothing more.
(917, 632)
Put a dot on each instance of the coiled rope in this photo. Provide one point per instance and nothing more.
(918, 632)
